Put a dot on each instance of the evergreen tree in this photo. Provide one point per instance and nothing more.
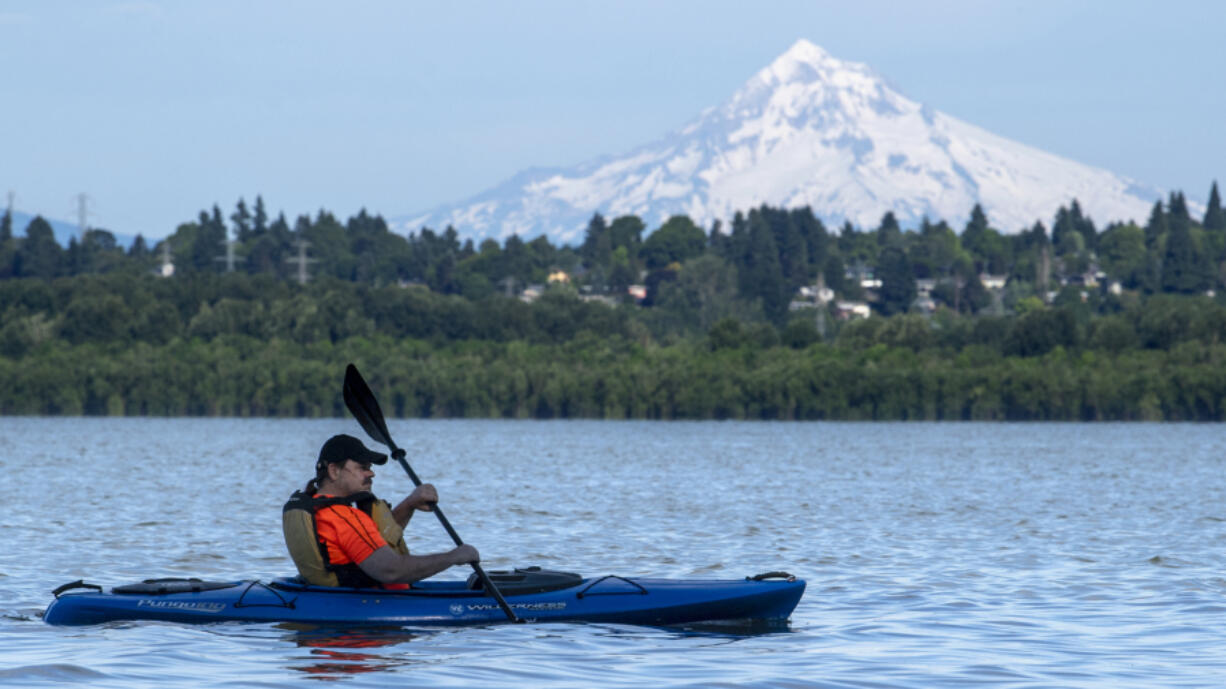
(241, 218)
(518, 264)
(794, 257)
(816, 238)
(216, 221)
(834, 273)
(975, 297)
(1215, 220)
(1062, 232)
(74, 258)
(270, 253)
(139, 248)
(717, 241)
(259, 218)
(1184, 269)
(1122, 253)
(1084, 225)
(597, 244)
(974, 236)
(897, 281)
(762, 277)
(936, 251)
(1036, 237)
(738, 242)
(39, 255)
(1156, 228)
(848, 246)
(6, 224)
(208, 243)
(888, 232)
(1177, 207)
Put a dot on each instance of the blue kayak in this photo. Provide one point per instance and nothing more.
(537, 595)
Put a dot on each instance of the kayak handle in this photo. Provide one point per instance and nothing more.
(587, 588)
(78, 584)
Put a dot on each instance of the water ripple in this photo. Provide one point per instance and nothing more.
(937, 555)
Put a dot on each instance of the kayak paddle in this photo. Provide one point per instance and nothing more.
(365, 408)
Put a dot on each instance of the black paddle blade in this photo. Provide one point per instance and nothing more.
(364, 407)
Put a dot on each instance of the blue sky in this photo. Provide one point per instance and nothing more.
(156, 109)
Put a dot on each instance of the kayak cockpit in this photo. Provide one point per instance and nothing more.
(516, 582)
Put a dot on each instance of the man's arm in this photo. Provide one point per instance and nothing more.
(422, 498)
(390, 567)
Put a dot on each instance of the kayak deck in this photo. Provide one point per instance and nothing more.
(611, 599)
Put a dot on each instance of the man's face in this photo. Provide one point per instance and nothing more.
(353, 477)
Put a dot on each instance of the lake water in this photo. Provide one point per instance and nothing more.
(1053, 555)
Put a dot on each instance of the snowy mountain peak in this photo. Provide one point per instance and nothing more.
(807, 130)
(804, 61)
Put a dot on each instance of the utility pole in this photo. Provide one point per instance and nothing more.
(6, 224)
(82, 215)
(508, 284)
(1044, 276)
(230, 258)
(821, 305)
(168, 266)
(302, 261)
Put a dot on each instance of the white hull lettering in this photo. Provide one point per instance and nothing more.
(180, 605)
(522, 606)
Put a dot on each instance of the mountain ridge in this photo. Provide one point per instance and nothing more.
(806, 130)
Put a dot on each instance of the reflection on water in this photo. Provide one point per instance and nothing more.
(335, 652)
(936, 554)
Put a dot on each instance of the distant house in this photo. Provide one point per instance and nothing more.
(531, 293)
(847, 310)
(605, 299)
(924, 286)
(993, 281)
(639, 292)
(558, 276)
(1088, 279)
(925, 304)
(819, 293)
(811, 297)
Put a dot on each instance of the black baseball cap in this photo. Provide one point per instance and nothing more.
(341, 447)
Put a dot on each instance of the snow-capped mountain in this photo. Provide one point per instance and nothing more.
(809, 130)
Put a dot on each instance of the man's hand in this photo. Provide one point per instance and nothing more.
(423, 497)
(465, 554)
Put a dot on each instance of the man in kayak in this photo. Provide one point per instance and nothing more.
(340, 534)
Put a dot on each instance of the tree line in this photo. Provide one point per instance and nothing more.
(750, 269)
(93, 329)
(614, 378)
